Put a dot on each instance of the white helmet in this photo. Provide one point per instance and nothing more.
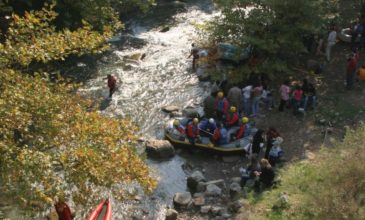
(211, 120)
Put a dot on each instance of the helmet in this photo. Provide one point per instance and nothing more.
(220, 94)
(233, 109)
(244, 120)
(176, 122)
(195, 120)
(211, 120)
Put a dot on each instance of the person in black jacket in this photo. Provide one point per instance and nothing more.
(258, 142)
(266, 175)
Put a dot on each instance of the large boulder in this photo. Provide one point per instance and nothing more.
(191, 112)
(171, 214)
(213, 190)
(170, 108)
(182, 199)
(160, 148)
(194, 179)
(234, 190)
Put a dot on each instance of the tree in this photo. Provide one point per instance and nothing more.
(274, 28)
(52, 140)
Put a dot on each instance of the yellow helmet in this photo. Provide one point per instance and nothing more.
(233, 109)
(195, 120)
(220, 94)
(176, 122)
(244, 120)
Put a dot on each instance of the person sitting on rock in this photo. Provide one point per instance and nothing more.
(208, 126)
(244, 130)
(266, 175)
(220, 135)
(232, 117)
(192, 131)
(221, 106)
(177, 130)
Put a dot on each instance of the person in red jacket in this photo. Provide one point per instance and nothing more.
(244, 130)
(112, 84)
(232, 117)
(192, 131)
(220, 106)
(63, 211)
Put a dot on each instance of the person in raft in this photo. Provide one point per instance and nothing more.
(112, 84)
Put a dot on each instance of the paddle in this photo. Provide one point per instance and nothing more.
(206, 131)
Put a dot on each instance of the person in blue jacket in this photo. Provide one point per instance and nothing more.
(208, 126)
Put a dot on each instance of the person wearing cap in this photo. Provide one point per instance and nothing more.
(220, 136)
(177, 130)
(244, 129)
(208, 126)
(221, 106)
(232, 117)
(192, 131)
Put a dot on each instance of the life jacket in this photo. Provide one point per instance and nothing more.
(232, 119)
(224, 136)
(221, 105)
(244, 131)
(63, 211)
(180, 129)
(362, 74)
(192, 130)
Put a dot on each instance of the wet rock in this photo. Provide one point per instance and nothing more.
(191, 112)
(234, 190)
(160, 148)
(182, 199)
(165, 29)
(194, 179)
(213, 190)
(176, 114)
(199, 201)
(171, 214)
(170, 108)
(231, 159)
(128, 40)
(205, 209)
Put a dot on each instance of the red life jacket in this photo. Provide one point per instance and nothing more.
(180, 129)
(192, 130)
(217, 134)
(241, 132)
(232, 118)
(63, 211)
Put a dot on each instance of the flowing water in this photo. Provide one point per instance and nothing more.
(163, 77)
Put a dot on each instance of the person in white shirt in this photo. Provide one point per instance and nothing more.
(246, 92)
(331, 40)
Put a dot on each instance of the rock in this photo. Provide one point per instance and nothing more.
(236, 180)
(170, 108)
(231, 159)
(309, 155)
(205, 209)
(165, 29)
(199, 201)
(220, 183)
(191, 112)
(213, 190)
(182, 199)
(171, 214)
(160, 148)
(216, 210)
(201, 187)
(175, 114)
(237, 205)
(194, 179)
(234, 190)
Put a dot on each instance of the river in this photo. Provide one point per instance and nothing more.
(163, 77)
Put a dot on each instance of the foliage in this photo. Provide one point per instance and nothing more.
(51, 140)
(331, 186)
(32, 38)
(275, 28)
